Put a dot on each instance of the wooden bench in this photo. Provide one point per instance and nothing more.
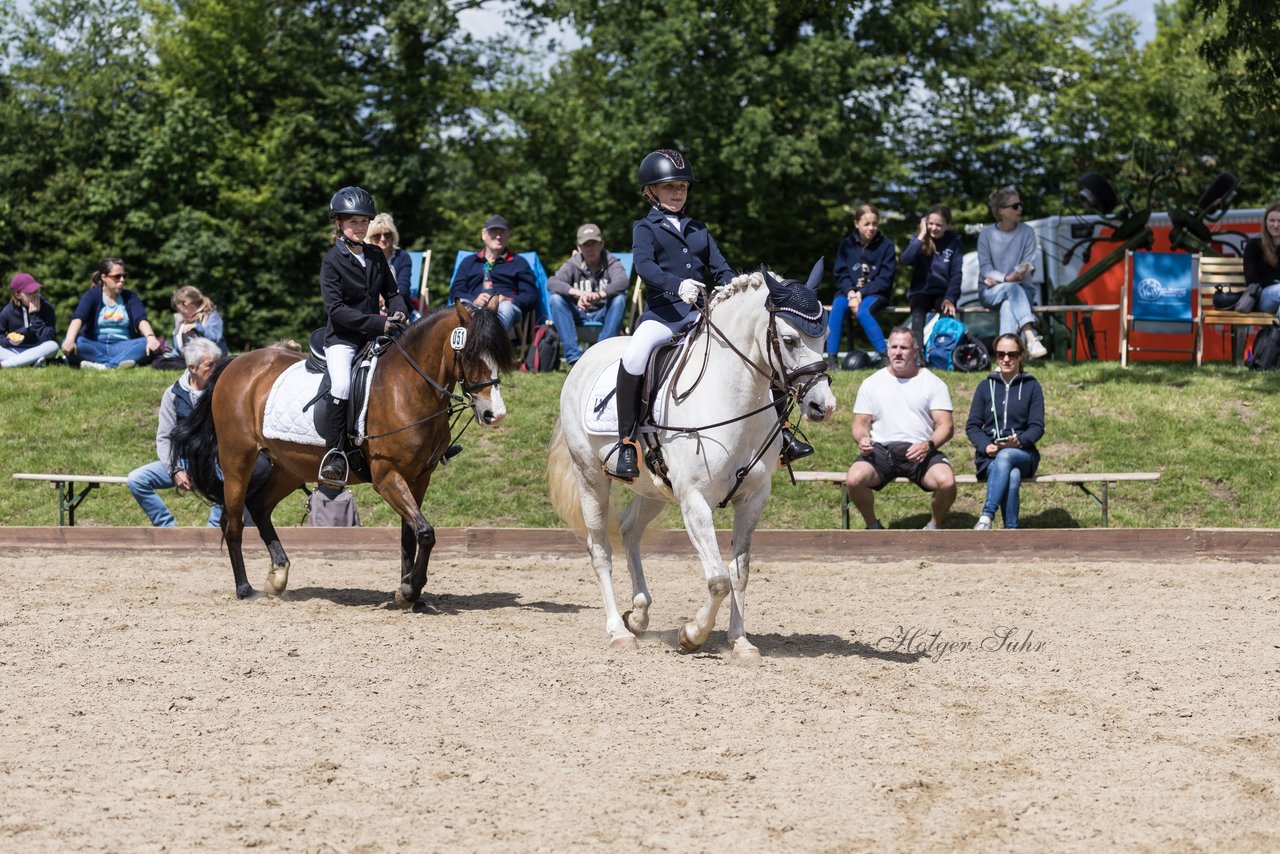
(1076, 478)
(1225, 274)
(68, 498)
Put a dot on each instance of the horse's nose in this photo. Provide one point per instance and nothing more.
(487, 418)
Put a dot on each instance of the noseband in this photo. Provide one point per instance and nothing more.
(807, 375)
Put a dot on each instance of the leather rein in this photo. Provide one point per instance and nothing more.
(779, 378)
(457, 403)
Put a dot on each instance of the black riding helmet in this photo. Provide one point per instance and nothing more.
(352, 201)
(664, 166)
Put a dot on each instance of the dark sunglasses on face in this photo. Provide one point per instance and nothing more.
(378, 238)
(118, 277)
(1016, 207)
(1007, 354)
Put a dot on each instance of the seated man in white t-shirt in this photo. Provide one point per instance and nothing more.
(901, 418)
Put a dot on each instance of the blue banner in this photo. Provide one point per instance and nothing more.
(1163, 292)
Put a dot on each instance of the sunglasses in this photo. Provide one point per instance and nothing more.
(378, 238)
(1007, 354)
(1016, 207)
(119, 277)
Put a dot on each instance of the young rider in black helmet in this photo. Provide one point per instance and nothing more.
(674, 255)
(351, 281)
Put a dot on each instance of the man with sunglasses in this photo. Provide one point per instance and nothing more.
(901, 417)
(1007, 252)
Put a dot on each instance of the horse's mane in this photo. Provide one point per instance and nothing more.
(485, 334)
(742, 283)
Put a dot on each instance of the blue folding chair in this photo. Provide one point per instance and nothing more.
(419, 267)
(1157, 297)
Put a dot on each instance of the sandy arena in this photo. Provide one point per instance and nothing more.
(902, 705)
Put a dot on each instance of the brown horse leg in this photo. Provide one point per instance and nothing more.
(417, 537)
(236, 470)
(261, 505)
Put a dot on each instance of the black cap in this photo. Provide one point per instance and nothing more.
(496, 221)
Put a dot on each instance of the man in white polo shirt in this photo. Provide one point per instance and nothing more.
(901, 418)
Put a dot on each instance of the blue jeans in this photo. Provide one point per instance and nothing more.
(111, 353)
(565, 317)
(509, 314)
(866, 317)
(1004, 476)
(1269, 299)
(1014, 299)
(144, 481)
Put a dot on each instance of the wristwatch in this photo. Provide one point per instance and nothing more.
(932, 446)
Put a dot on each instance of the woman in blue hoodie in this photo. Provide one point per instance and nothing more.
(866, 262)
(1006, 420)
(936, 259)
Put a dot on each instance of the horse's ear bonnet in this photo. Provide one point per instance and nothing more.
(799, 302)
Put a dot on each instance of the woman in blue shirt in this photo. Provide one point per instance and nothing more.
(936, 259)
(109, 328)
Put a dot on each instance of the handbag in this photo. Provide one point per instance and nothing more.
(1249, 299)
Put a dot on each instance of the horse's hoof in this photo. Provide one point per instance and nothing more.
(686, 642)
(633, 625)
(405, 597)
(246, 591)
(422, 606)
(747, 654)
(625, 643)
(277, 581)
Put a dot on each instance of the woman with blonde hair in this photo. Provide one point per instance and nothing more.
(383, 234)
(196, 317)
(1261, 263)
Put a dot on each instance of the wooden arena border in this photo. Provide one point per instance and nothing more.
(1164, 545)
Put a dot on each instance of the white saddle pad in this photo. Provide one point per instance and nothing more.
(605, 422)
(284, 418)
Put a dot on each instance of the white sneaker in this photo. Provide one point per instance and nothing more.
(94, 366)
(1035, 349)
(984, 524)
(930, 526)
(38, 363)
(127, 363)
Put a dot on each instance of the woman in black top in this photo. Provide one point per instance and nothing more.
(1261, 264)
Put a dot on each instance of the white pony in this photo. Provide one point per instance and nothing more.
(719, 435)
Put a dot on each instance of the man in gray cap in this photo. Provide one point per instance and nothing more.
(590, 286)
(496, 278)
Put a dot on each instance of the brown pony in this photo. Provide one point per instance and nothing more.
(412, 407)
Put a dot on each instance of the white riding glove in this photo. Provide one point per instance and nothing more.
(689, 290)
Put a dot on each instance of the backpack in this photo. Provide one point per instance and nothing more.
(944, 337)
(337, 512)
(544, 351)
(1266, 349)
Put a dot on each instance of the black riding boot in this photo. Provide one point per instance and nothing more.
(792, 448)
(626, 466)
(333, 468)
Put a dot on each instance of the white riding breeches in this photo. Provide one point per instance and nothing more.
(339, 358)
(648, 336)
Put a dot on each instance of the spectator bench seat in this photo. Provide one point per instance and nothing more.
(65, 484)
(1079, 479)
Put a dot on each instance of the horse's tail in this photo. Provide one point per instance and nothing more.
(563, 485)
(195, 444)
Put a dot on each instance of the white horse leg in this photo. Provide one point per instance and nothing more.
(746, 514)
(594, 490)
(639, 513)
(700, 525)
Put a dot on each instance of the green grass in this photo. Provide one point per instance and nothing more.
(1210, 431)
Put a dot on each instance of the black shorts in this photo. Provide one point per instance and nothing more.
(889, 459)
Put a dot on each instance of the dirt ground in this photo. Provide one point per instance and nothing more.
(899, 706)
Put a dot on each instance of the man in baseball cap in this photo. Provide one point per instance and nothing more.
(496, 278)
(590, 287)
(27, 325)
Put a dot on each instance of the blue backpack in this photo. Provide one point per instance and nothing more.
(944, 336)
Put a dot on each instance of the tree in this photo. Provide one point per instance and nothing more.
(1244, 52)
